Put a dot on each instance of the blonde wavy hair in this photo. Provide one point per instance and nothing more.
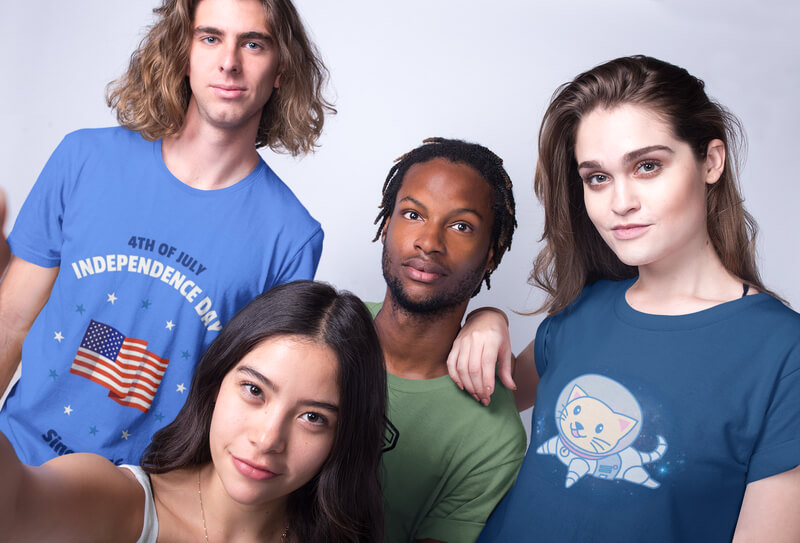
(153, 95)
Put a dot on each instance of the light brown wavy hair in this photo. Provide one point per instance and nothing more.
(574, 254)
(153, 95)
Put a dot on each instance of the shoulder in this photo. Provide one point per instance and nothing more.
(114, 143)
(598, 297)
(283, 201)
(103, 136)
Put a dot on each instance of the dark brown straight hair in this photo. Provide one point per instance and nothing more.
(574, 254)
(343, 502)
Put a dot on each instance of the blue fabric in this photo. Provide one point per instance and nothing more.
(145, 257)
(693, 408)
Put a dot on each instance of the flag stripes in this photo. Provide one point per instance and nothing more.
(123, 365)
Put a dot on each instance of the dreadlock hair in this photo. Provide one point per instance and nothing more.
(485, 162)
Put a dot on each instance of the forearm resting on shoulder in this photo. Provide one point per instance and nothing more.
(23, 292)
(771, 510)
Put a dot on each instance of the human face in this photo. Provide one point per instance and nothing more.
(275, 419)
(644, 190)
(234, 63)
(436, 243)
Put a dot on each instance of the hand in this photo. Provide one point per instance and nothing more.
(482, 345)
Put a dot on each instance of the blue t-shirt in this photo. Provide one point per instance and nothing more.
(649, 427)
(150, 271)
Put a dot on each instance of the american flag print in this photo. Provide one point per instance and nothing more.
(121, 364)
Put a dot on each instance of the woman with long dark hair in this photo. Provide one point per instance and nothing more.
(668, 397)
(279, 440)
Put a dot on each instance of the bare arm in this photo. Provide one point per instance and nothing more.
(526, 377)
(75, 497)
(23, 292)
(5, 252)
(771, 510)
(482, 347)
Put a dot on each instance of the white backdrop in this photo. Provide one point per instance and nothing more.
(405, 70)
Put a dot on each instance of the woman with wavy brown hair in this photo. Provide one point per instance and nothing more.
(666, 374)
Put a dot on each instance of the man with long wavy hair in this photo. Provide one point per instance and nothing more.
(137, 243)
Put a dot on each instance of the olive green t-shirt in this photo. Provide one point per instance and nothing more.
(449, 459)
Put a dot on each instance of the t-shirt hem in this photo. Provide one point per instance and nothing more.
(22, 251)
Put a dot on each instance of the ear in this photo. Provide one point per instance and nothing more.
(626, 424)
(490, 265)
(714, 163)
(385, 228)
(577, 392)
(277, 82)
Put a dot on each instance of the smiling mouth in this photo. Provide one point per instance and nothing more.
(253, 471)
(629, 231)
(574, 432)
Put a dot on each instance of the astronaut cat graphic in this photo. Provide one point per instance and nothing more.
(598, 419)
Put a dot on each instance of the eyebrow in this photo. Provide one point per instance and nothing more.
(628, 157)
(459, 210)
(252, 35)
(267, 383)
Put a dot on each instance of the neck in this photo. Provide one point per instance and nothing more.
(692, 281)
(227, 520)
(416, 345)
(207, 157)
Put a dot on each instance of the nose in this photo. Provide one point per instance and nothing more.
(268, 431)
(624, 197)
(229, 59)
(429, 238)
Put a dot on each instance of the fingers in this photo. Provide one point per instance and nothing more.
(471, 365)
(452, 364)
(505, 370)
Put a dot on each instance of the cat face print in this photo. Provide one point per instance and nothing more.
(590, 425)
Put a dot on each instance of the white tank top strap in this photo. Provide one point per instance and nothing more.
(150, 524)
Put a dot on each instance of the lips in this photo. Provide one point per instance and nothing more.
(423, 270)
(629, 231)
(252, 470)
(228, 91)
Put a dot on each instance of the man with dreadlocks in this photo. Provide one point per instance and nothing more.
(138, 242)
(446, 218)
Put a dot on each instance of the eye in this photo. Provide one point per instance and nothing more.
(253, 46)
(648, 167)
(314, 418)
(411, 215)
(598, 429)
(462, 227)
(576, 410)
(210, 40)
(596, 179)
(251, 390)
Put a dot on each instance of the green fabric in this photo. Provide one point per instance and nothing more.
(453, 461)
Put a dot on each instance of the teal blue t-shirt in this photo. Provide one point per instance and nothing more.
(649, 427)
